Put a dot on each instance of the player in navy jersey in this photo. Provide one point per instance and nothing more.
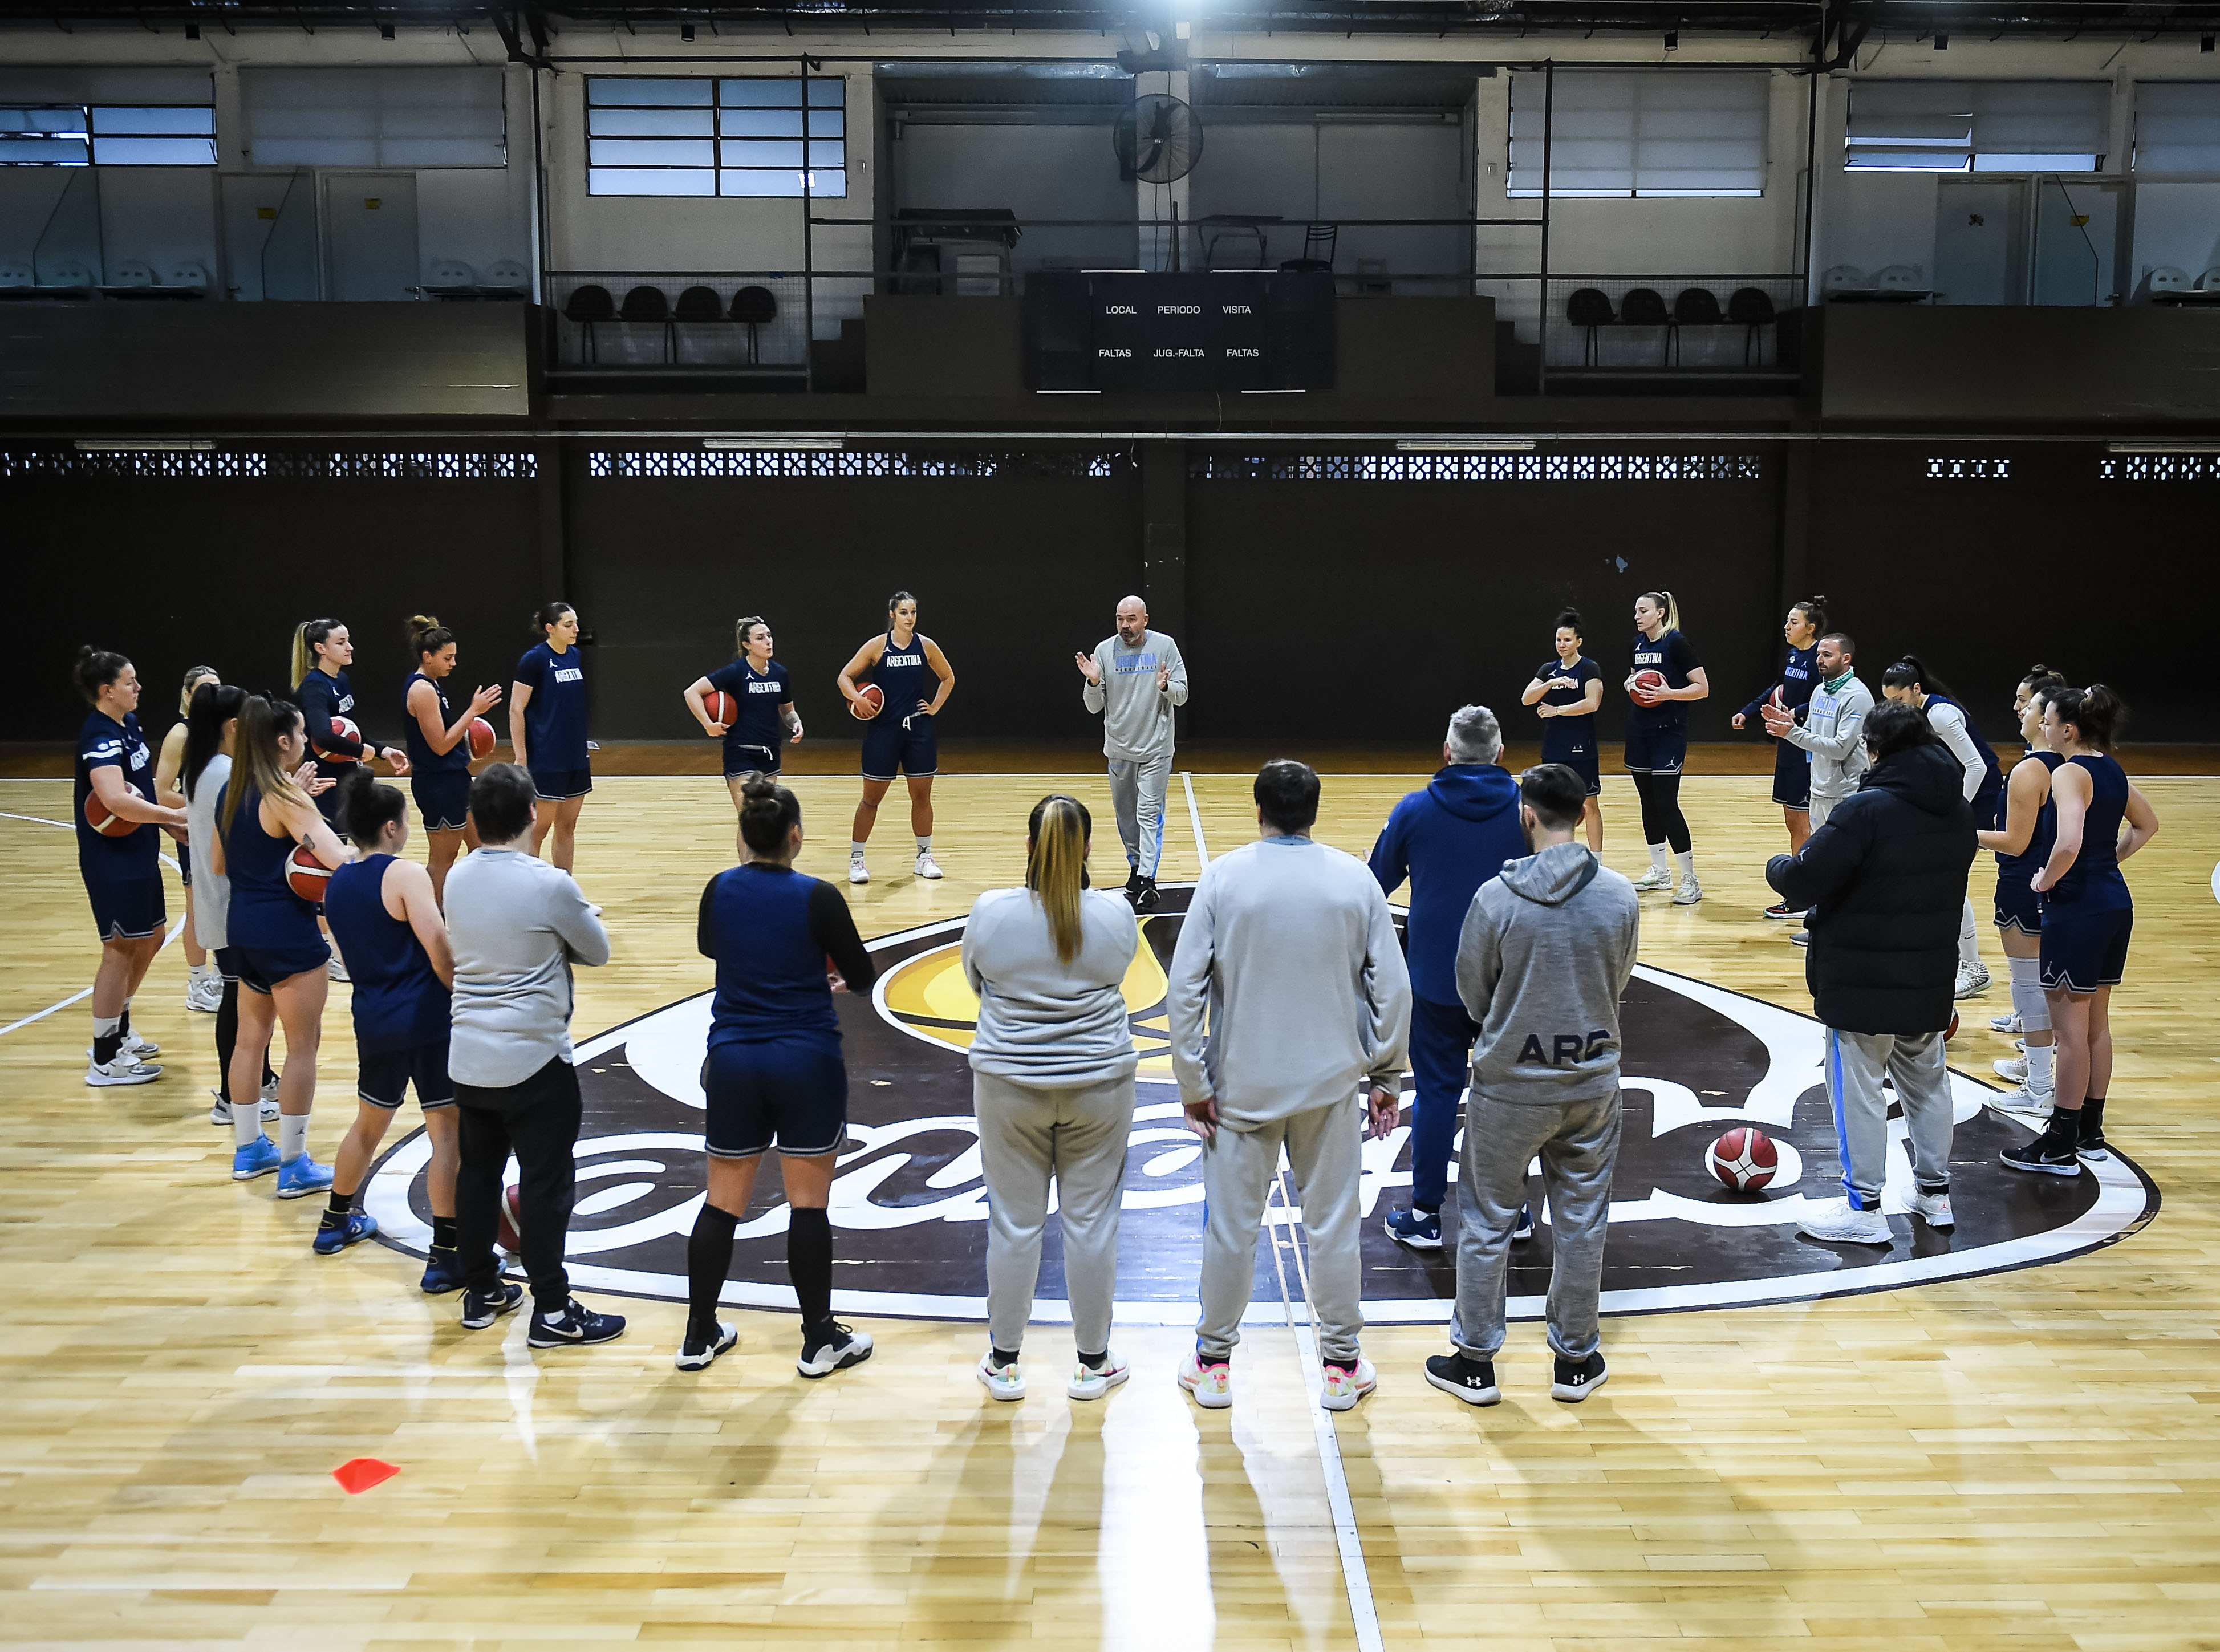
(899, 738)
(1910, 682)
(383, 910)
(547, 732)
(121, 867)
(2026, 831)
(1657, 739)
(438, 740)
(775, 1075)
(1792, 690)
(321, 652)
(203, 981)
(1565, 692)
(2087, 918)
(764, 691)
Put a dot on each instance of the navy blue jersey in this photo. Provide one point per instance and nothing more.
(103, 743)
(771, 929)
(2039, 842)
(398, 1001)
(1800, 675)
(758, 694)
(322, 698)
(555, 720)
(422, 759)
(265, 911)
(2093, 881)
(1988, 797)
(1564, 737)
(903, 676)
(1670, 654)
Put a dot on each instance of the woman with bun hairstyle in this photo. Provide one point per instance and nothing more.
(2088, 917)
(268, 807)
(900, 737)
(1791, 689)
(122, 866)
(547, 731)
(762, 690)
(775, 1075)
(1657, 739)
(321, 652)
(203, 983)
(1909, 683)
(1052, 1067)
(211, 727)
(439, 741)
(2026, 829)
(1565, 693)
(383, 910)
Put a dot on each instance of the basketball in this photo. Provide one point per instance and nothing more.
(105, 821)
(306, 875)
(344, 729)
(1646, 685)
(481, 738)
(1744, 1159)
(1953, 1032)
(721, 706)
(509, 1225)
(869, 702)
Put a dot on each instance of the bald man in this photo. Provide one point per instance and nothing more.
(1134, 678)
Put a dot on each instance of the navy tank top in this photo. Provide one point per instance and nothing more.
(2093, 881)
(265, 911)
(422, 759)
(902, 675)
(2044, 838)
(399, 1003)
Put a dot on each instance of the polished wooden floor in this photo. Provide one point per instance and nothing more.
(2029, 1461)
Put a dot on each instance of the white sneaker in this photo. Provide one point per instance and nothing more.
(335, 967)
(1003, 1381)
(927, 867)
(1837, 1224)
(1655, 878)
(1972, 978)
(856, 871)
(221, 1113)
(1093, 1381)
(1347, 1383)
(124, 1069)
(2025, 1103)
(1688, 894)
(205, 993)
(2005, 1023)
(1211, 1385)
(1934, 1209)
(2014, 1068)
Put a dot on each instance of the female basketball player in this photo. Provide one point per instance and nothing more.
(276, 946)
(1909, 682)
(122, 870)
(774, 1075)
(900, 738)
(1657, 739)
(2087, 918)
(383, 912)
(321, 652)
(2022, 843)
(764, 691)
(1792, 690)
(211, 726)
(440, 748)
(1565, 693)
(204, 984)
(547, 731)
(2037, 677)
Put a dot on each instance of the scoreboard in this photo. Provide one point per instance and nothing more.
(1219, 330)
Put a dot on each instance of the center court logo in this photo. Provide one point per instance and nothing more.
(910, 1206)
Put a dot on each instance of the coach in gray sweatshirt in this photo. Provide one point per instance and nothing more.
(1288, 947)
(1545, 952)
(1135, 677)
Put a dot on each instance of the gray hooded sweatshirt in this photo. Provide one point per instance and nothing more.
(1545, 952)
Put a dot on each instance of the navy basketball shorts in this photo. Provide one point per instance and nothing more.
(895, 745)
(791, 1093)
(129, 909)
(443, 799)
(560, 785)
(1792, 775)
(261, 967)
(1656, 750)
(1582, 763)
(2082, 950)
(2019, 906)
(382, 1077)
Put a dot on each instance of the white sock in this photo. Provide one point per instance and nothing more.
(105, 1027)
(247, 1123)
(2034, 1016)
(855, 848)
(925, 845)
(1687, 860)
(292, 1134)
(1658, 853)
(1969, 945)
(2041, 1076)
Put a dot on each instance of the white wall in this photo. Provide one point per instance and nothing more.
(1042, 171)
(2176, 225)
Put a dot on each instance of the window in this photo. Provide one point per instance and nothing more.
(699, 136)
(1976, 126)
(107, 136)
(1641, 134)
(2177, 127)
(374, 117)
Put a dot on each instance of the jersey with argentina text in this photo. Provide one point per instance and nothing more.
(1672, 655)
(1564, 737)
(758, 694)
(902, 675)
(103, 743)
(422, 759)
(555, 718)
(1800, 675)
(322, 698)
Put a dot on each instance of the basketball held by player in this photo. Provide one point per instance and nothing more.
(547, 732)
(1663, 677)
(760, 718)
(203, 985)
(1565, 692)
(440, 746)
(914, 680)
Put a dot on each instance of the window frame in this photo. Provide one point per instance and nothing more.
(1760, 78)
(87, 131)
(2000, 163)
(728, 147)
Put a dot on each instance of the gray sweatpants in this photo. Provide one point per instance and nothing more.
(1137, 792)
(1822, 805)
(1077, 1134)
(1324, 1145)
(1578, 1142)
(1917, 1065)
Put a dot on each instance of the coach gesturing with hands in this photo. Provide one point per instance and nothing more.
(1135, 676)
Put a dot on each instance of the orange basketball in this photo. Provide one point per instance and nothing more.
(721, 706)
(481, 738)
(105, 821)
(344, 727)
(306, 875)
(508, 1224)
(868, 703)
(1646, 685)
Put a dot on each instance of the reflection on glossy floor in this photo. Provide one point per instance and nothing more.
(2031, 1459)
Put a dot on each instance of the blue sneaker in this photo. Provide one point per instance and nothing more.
(301, 1177)
(1525, 1229)
(482, 1308)
(330, 1240)
(443, 1271)
(1419, 1229)
(258, 1158)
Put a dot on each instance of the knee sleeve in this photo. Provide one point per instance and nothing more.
(2027, 994)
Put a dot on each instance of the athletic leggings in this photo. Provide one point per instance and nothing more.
(226, 1040)
(1662, 819)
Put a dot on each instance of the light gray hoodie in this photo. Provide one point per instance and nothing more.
(1834, 732)
(1137, 718)
(1042, 1021)
(1545, 952)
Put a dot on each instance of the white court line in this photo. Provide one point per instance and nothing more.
(176, 930)
(1202, 855)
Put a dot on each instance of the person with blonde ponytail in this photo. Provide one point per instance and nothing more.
(1657, 739)
(1053, 1066)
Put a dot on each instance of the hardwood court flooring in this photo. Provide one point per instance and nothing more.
(2030, 1459)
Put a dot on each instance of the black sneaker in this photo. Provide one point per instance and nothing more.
(1133, 878)
(834, 1348)
(1577, 1378)
(2090, 1146)
(1470, 1380)
(578, 1326)
(1145, 898)
(2054, 1153)
(482, 1308)
(702, 1346)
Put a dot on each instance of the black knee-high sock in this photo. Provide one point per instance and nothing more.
(708, 1259)
(809, 1264)
(1672, 825)
(227, 1037)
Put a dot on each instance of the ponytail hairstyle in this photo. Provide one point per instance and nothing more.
(368, 806)
(740, 628)
(1665, 599)
(2095, 712)
(896, 600)
(94, 670)
(255, 763)
(214, 705)
(1569, 620)
(427, 636)
(195, 675)
(1814, 610)
(1056, 866)
(306, 636)
(1910, 670)
(550, 613)
(767, 812)
(1893, 726)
